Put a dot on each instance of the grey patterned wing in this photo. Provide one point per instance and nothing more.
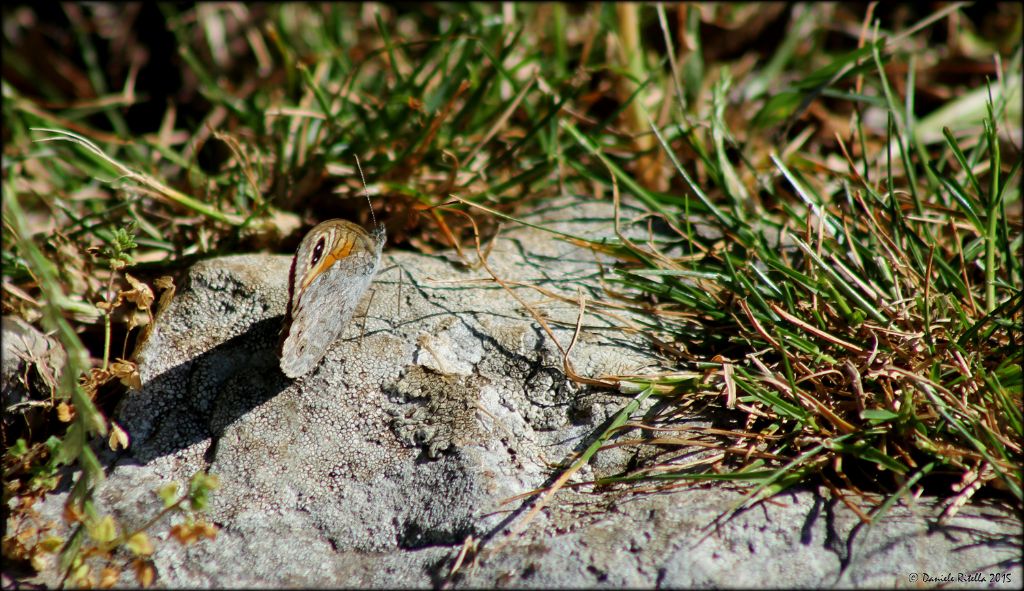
(323, 310)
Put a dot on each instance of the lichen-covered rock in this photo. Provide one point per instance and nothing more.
(32, 364)
(442, 400)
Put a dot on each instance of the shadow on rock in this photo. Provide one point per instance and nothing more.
(195, 401)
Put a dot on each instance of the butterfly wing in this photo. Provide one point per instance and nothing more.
(320, 312)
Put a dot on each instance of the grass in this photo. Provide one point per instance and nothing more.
(834, 267)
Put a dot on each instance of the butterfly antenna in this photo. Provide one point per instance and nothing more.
(366, 192)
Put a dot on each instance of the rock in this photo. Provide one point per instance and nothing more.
(798, 539)
(442, 400)
(32, 364)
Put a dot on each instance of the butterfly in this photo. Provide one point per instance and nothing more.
(331, 271)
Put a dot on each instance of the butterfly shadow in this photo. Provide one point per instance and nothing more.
(194, 402)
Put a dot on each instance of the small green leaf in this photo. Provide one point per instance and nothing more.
(169, 493)
(878, 414)
(199, 489)
(777, 108)
(19, 448)
(103, 530)
(50, 544)
(139, 544)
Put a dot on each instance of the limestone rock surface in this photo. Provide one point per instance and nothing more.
(443, 399)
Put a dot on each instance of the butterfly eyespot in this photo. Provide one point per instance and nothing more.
(318, 252)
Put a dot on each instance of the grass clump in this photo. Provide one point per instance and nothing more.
(861, 305)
